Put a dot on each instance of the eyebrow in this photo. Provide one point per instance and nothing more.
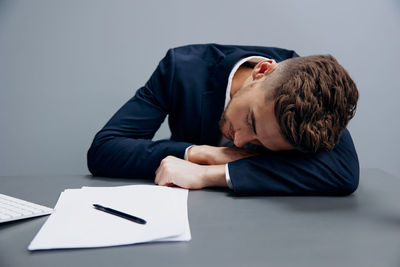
(253, 121)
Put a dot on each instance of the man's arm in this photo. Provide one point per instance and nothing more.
(275, 173)
(296, 173)
(174, 171)
(123, 148)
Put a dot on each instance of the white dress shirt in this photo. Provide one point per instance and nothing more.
(224, 141)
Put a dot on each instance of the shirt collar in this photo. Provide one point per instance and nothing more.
(252, 59)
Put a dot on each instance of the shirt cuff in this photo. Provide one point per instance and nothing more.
(185, 157)
(227, 177)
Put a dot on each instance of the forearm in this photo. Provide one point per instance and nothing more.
(214, 175)
(212, 155)
(216, 158)
(185, 174)
(199, 154)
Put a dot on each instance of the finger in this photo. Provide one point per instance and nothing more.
(158, 175)
(163, 182)
(163, 178)
(160, 179)
(156, 180)
(158, 170)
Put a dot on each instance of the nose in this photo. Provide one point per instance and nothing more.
(240, 139)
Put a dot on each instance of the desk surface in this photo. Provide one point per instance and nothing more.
(359, 230)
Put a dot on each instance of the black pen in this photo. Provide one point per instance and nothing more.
(120, 214)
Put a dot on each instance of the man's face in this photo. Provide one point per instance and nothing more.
(249, 118)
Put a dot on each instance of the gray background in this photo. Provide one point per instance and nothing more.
(67, 66)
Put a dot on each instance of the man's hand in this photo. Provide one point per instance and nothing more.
(211, 155)
(174, 171)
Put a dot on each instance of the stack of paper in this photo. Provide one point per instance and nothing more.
(76, 224)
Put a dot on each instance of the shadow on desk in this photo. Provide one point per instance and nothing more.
(376, 198)
(297, 203)
(16, 223)
(150, 182)
(119, 180)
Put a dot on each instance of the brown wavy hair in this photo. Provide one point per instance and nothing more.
(314, 101)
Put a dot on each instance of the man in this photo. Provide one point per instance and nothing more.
(285, 115)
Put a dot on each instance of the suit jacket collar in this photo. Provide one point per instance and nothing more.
(220, 74)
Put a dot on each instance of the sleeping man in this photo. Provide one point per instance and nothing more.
(259, 120)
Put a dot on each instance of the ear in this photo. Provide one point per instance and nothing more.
(263, 68)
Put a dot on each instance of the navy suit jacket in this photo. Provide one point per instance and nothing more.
(189, 86)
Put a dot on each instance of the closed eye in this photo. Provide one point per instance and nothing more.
(250, 122)
(253, 122)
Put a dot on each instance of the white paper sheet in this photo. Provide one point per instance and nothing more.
(76, 224)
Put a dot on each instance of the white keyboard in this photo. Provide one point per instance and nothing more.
(12, 209)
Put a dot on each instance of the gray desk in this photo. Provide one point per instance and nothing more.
(359, 230)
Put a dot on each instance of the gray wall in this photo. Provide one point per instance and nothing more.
(67, 66)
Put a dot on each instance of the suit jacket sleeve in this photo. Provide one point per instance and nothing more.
(296, 173)
(123, 148)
